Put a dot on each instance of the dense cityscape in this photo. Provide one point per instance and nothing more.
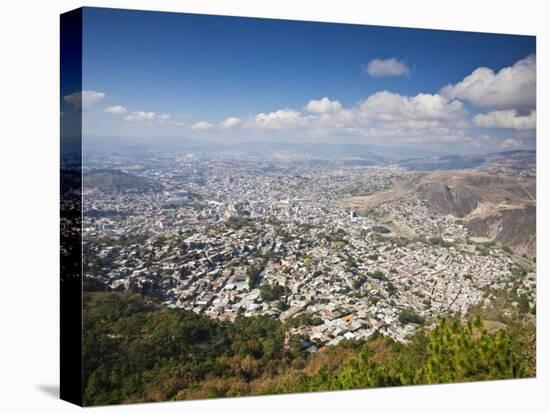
(225, 237)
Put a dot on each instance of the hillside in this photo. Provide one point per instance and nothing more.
(497, 207)
(110, 180)
(512, 160)
(136, 351)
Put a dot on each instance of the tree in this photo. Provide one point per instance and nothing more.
(135, 351)
(377, 274)
(281, 305)
(468, 353)
(407, 316)
(254, 272)
(358, 282)
(271, 292)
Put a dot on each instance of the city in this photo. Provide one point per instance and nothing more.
(226, 237)
(256, 206)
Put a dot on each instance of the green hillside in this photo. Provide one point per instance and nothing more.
(136, 351)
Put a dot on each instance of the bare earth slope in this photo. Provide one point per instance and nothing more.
(500, 208)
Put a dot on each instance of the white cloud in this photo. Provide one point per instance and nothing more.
(140, 116)
(506, 119)
(85, 99)
(511, 143)
(382, 118)
(391, 107)
(343, 120)
(230, 122)
(383, 115)
(323, 105)
(164, 117)
(117, 109)
(283, 118)
(202, 126)
(386, 67)
(512, 87)
(420, 119)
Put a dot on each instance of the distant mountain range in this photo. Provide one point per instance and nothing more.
(414, 159)
(518, 159)
(93, 143)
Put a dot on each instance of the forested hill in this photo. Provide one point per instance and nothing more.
(111, 181)
(135, 351)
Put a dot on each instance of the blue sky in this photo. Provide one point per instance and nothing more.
(238, 79)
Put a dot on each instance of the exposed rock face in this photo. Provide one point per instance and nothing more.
(498, 207)
(459, 194)
(457, 201)
(515, 228)
(501, 208)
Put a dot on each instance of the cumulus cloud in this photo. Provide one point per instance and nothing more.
(386, 67)
(323, 105)
(230, 122)
(506, 119)
(283, 118)
(85, 99)
(391, 107)
(512, 87)
(116, 109)
(140, 116)
(511, 143)
(344, 120)
(383, 115)
(164, 117)
(202, 126)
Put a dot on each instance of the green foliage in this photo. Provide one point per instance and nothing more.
(407, 316)
(129, 344)
(513, 302)
(272, 292)
(281, 305)
(237, 223)
(136, 351)
(468, 353)
(350, 264)
(391, 289)
(452, 352)
(303, 319)
(377, 274)
(358, 282)
(523, 304)
(254, 273)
